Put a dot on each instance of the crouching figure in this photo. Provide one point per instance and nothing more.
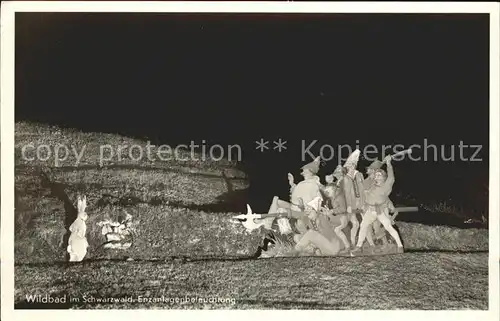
(77, 243)
(320, 234)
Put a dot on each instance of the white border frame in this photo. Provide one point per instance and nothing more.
(8, 10)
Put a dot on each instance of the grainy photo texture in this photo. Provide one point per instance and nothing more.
(251, 161)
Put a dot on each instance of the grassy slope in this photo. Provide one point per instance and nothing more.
(174, 182)
(407, 281)
(164, 198)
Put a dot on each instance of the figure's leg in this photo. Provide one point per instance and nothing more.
(379, 232)
(268, 222)
(369, 235)
(297, 237)
(284, 204)
(302, 241)
(318, 240)
(340, 233)
(386, 222)
(366, 223)
(273, 208)
(385, 242)
(355, 227)
(277, 203)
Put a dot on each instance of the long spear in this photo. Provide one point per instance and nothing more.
(248, 219)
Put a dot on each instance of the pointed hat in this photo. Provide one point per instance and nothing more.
(313, 166)
(353, 159)
(338, 170)
(376, 164)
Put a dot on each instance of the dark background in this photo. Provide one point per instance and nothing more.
(171, 78)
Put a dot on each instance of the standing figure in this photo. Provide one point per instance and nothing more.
(77, 243)
(353, 185)
(377, 208)
(378, 230)
(336, 202)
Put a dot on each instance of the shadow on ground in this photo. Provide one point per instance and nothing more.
(71, 213)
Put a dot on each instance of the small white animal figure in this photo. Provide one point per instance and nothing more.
(77, 243)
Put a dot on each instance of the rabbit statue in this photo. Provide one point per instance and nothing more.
(77, 243)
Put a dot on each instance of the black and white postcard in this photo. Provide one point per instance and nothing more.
(334, 156)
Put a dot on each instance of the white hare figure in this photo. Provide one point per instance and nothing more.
(77, 243)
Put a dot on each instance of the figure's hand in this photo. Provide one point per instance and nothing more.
(291, 179)
(388, 159)
(349, 210)
(393, 218)
(330, 215)
(301, 203)
(325, 210)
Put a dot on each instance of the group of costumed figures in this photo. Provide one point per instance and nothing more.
(322, 212)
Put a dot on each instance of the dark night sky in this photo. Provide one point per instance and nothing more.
(235, 78)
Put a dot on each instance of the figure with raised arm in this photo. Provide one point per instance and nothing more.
(378, 230)
(300, 194)
(377, 206)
